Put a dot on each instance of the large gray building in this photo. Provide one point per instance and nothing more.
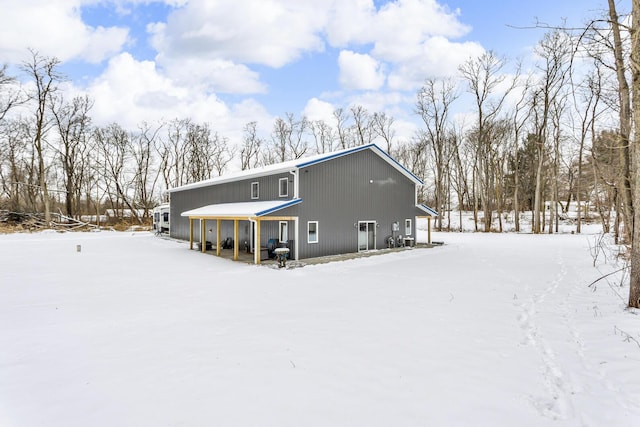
(341, 202)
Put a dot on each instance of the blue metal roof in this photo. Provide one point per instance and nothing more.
(279, 207)
(297, 164)
(375, 148)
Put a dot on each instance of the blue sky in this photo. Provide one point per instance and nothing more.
(228, 62)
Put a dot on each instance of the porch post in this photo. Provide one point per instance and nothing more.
(258, 247)
(218, 236)
(203, 235)
(429, 230)
(190, 233)
(235, 239)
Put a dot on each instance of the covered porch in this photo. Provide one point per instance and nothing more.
(430, 213)
(253, 215)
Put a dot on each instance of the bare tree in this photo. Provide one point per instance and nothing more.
(519, 118)
(114, 145)
(342, 129)
(251, 146)
(146, 173)
(73, 124)
(634, 288)
(171, 150)
(484, 76)
(276, 151)
(557, 115)
(382, 125)
(46, 77)
(433, 103)
(13, 154)
(323, 135)
(198, 152)
(554, 52)
(624, 98)
(10, 93)
(586, 104)
(459, 170)
(222, 154)
(362, 128)
(414, 156)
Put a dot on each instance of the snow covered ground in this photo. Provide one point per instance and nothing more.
(487, 330)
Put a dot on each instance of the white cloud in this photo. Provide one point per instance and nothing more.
(377, 101)
(317, 109)
(438, 57)
(130, 92)
(216, 75)
(204, 48)
(350, 22)
(143, 94)
(360, 71)
(54, 29)
(414, 39)
(404, 26)
(396, 30)
(267, 32)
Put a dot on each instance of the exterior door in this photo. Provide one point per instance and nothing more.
(366, 235)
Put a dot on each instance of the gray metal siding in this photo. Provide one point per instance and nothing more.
(345, 190)
(232, 192)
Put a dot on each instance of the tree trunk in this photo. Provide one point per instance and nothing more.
(625, 119)
(516, 202)
(634, 288)
(537, 228)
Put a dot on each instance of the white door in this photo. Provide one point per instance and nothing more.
(366, 235)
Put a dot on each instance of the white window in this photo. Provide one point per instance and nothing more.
(284, 231)
(407, 227)
(255, 190)
(312, 232)
(283, 185)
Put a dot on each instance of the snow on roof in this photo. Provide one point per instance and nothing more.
(240, 210)
(292, 165)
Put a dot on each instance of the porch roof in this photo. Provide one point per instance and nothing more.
(241, 209)
(429, 211)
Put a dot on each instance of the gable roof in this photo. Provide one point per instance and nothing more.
(293, 165)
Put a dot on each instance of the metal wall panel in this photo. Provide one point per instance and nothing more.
(232, 192)
(340, 192)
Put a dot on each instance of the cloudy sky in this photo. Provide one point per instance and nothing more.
(228, 62)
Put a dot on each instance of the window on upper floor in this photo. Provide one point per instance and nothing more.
(283, 187)
(255, 190)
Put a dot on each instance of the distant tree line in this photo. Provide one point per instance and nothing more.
(53, 157)
(556, 134)
(532, 141)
